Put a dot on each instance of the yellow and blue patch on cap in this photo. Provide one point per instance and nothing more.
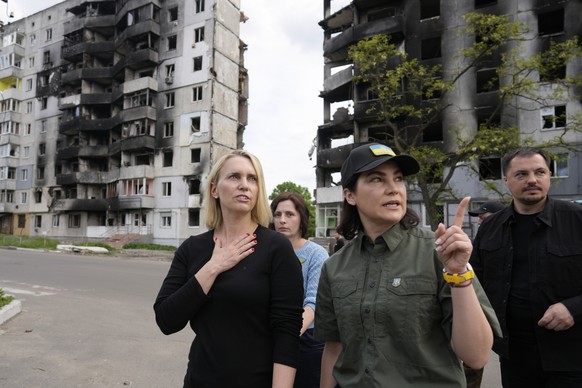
(380, 150)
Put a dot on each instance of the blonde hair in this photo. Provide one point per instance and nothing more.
(261, 213)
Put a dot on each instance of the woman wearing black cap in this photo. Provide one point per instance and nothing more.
(386, 300)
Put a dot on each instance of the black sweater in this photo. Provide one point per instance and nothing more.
(249, 320)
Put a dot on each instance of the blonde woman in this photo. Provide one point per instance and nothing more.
(239, 285)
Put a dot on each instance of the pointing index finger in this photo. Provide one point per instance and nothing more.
(460, 213)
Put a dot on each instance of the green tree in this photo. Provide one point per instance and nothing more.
(304, 192)
(412, 96)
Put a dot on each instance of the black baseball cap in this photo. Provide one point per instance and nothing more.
(369, 156)
(487, 207)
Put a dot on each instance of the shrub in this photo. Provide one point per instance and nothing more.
(151, 247)
(5, 299)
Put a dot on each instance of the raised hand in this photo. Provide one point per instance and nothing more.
(227, 256)
(452, 244)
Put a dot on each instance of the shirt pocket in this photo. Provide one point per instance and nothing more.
(346, 304)
(411, 309)
(561, 270)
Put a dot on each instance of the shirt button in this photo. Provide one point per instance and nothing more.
(367, 310)
(372, 285)
(367, 371)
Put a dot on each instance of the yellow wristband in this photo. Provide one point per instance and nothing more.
(458, 278)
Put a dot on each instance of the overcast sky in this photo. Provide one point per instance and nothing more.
(285, 64)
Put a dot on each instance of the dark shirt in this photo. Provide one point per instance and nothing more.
(339, 244)
(554, 275)
(249, 320)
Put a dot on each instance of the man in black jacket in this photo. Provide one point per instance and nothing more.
(528, 257)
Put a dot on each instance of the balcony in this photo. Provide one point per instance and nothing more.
(87, 205)
(128, 202)
(142, 58)
(9, 138)
(8, 184)
(74, 77)
(74, 53)
(133, 172)
(194, 201)
(10, 72)
(140, 29)
(101, 23)
(338, 86)
(140, 84)
(138, 113)
(87, 124)
(335, 48)
(332, 158)
(138, 143)
(94, 151)
(85, 99)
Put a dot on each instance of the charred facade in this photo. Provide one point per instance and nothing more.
(114, 112)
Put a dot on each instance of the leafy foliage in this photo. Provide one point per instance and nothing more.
(412, 96)
(5, 299)
(304, 192)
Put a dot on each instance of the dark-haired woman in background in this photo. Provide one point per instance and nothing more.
(291, 218)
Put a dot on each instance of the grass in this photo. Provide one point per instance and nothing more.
(151, 247)
(5, 299)
(7, 240)
(96, 244)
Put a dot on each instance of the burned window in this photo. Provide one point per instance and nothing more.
(487, 80)
(195, 155)
(197, 93)
(197, 63)
(381, 13)
(431, 89)
(199, 5)
(484, 3)
(489, 168)
(143, 159)
(433, 132)
(553, 117)
(429, 9)
(550, 23)
(167, 189)
(195, 124)
(198, 34)
(559, 166)
(173, 14)
(430, 48)
(172, 42)
(170, 100)
(193, 217)
(168, 158)
(169, 129)
(194, 186)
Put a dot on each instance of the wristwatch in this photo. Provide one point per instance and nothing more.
(458, 278)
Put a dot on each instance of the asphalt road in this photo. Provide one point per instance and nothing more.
(88, 321)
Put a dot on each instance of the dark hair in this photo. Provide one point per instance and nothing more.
(300, 206)
(351, 224)
(523, 151)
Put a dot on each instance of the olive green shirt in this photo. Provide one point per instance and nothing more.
(387, 303)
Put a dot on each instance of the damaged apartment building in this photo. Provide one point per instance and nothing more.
(431, 30)
(113, 111)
